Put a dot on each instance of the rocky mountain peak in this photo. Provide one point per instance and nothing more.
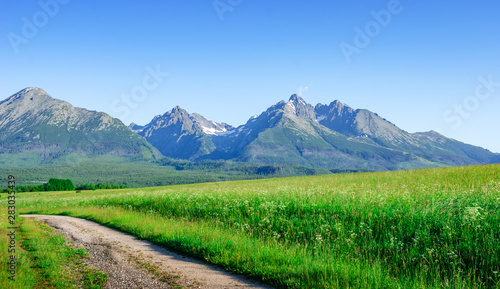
(177, 113)
(296, 98)
(337, 103)
(35, 91)
(177, 109)
(335, 110)
(32, 104)
(296, 105)
(31, 120)
(29, 94)
(178, 133)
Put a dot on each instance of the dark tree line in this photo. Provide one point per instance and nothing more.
(52, 185)
(64, 185)
(100, 187)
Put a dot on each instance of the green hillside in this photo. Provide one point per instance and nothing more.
(296, 140)
(38, 130)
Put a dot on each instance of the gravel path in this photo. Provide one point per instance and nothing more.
(120, 255)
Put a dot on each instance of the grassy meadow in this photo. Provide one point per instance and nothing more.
(433, 228)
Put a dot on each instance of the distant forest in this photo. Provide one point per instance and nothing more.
(51, 185)
(63, 185)
(163, 172)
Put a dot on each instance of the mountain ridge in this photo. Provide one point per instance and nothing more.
(335, 135)
(331, 136)
(180, 134)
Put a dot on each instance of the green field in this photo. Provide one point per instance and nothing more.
(164, 172)
(433, 228)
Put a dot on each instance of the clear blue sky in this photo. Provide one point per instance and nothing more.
(420, 69)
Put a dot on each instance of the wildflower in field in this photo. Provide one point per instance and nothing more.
(472, 215)
(364, 229)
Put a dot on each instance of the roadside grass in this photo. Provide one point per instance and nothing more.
(434, 228)
(26, 276)
(44, 261)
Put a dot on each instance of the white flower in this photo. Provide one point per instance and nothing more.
(472, 215)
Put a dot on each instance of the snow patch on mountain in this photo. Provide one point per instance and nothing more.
(291, 107)
(226, 132)
(213, 130)
(320, 118)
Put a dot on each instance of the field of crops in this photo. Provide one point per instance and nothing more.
(436, 228)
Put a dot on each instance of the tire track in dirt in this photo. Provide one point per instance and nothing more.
(119, 254)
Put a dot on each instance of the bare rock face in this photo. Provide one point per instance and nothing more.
(31, 121)
(297, 106)
(33, 106)
(179, 134)
(360, 123)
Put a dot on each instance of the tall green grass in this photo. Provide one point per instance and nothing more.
(44, 260)
(436, 228)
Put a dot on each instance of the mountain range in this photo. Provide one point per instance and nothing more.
(34, 125)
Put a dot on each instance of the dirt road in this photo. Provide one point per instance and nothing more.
(121, 255)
